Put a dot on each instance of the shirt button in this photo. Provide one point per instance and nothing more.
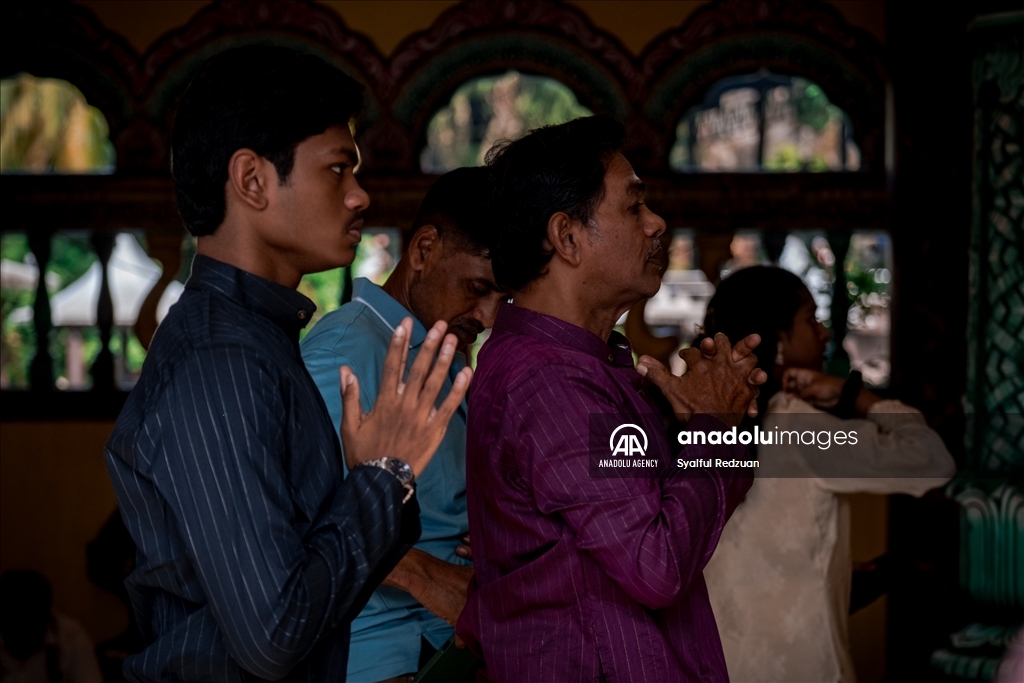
(611, 358)
(302, 315)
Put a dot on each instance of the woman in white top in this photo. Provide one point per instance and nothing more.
(780, 578)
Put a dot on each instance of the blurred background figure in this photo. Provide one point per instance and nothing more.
(780, 580)
(110, 558)
(40, 645)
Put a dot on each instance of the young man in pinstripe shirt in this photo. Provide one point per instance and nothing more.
(254, 553)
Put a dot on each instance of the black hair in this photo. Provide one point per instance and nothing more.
(555, 168)
(25, 603)
(457, 205)
(759, 300)
(267, 99)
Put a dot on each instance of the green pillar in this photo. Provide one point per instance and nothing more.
(989, 490)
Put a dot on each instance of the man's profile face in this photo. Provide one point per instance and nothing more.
(623, 260)
(458, 288)
(317, 214)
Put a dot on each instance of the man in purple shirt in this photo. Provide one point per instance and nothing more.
(583, 577)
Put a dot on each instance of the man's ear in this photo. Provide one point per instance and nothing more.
(424, 244)
(249, 178)
(565, 237)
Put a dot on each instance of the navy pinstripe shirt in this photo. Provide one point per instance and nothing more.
(254, 554)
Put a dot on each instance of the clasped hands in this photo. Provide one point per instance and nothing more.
(720, 379)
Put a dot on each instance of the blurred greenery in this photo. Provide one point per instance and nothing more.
(486, 110)
(324, 290)
(867, 277)
(787, 158)
(46, 126)
(71, 256)
(811, 105)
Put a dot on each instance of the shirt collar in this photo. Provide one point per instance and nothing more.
(285, 307)
(616, 351)
(387, 308)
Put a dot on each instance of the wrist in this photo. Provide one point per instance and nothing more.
(398, 469)
(846, 407)
(864, 401)
(410, 574)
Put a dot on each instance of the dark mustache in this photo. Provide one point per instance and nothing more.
(469, 325)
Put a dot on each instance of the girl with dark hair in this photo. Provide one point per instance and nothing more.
(780, 578)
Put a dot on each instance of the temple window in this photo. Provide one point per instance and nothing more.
(46, 126)
(492, 108)
(764, 122)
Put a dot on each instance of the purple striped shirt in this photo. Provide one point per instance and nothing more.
(581, 578)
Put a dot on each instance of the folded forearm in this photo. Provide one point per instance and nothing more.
(376, 529)
(411, 572)
(347, 554)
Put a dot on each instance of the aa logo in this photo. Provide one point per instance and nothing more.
(628, 440)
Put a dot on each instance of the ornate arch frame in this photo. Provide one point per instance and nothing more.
(137, 93)
(734, 37)
(69, 43)
(482, 37)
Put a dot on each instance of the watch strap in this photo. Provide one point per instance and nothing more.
(399, 469)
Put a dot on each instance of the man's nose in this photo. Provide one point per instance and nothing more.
(487, 311)
(656, 226)
(356, 199)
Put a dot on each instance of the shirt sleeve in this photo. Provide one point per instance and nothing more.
(273, 591)
(652, 536)
(892, 450)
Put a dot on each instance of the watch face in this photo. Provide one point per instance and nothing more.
(400, 470)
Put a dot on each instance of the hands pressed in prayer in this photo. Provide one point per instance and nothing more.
(439, 586)
(404, 422)
(719, 379)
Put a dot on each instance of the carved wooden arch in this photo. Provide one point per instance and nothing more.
(482, 37)
(169, 64)
(799, 37)
(68, 42)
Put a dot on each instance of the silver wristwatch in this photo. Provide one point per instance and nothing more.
(398, 468)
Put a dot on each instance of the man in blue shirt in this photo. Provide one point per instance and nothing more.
(445, 274)
(254, 553)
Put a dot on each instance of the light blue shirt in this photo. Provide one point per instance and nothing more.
(386, 634)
